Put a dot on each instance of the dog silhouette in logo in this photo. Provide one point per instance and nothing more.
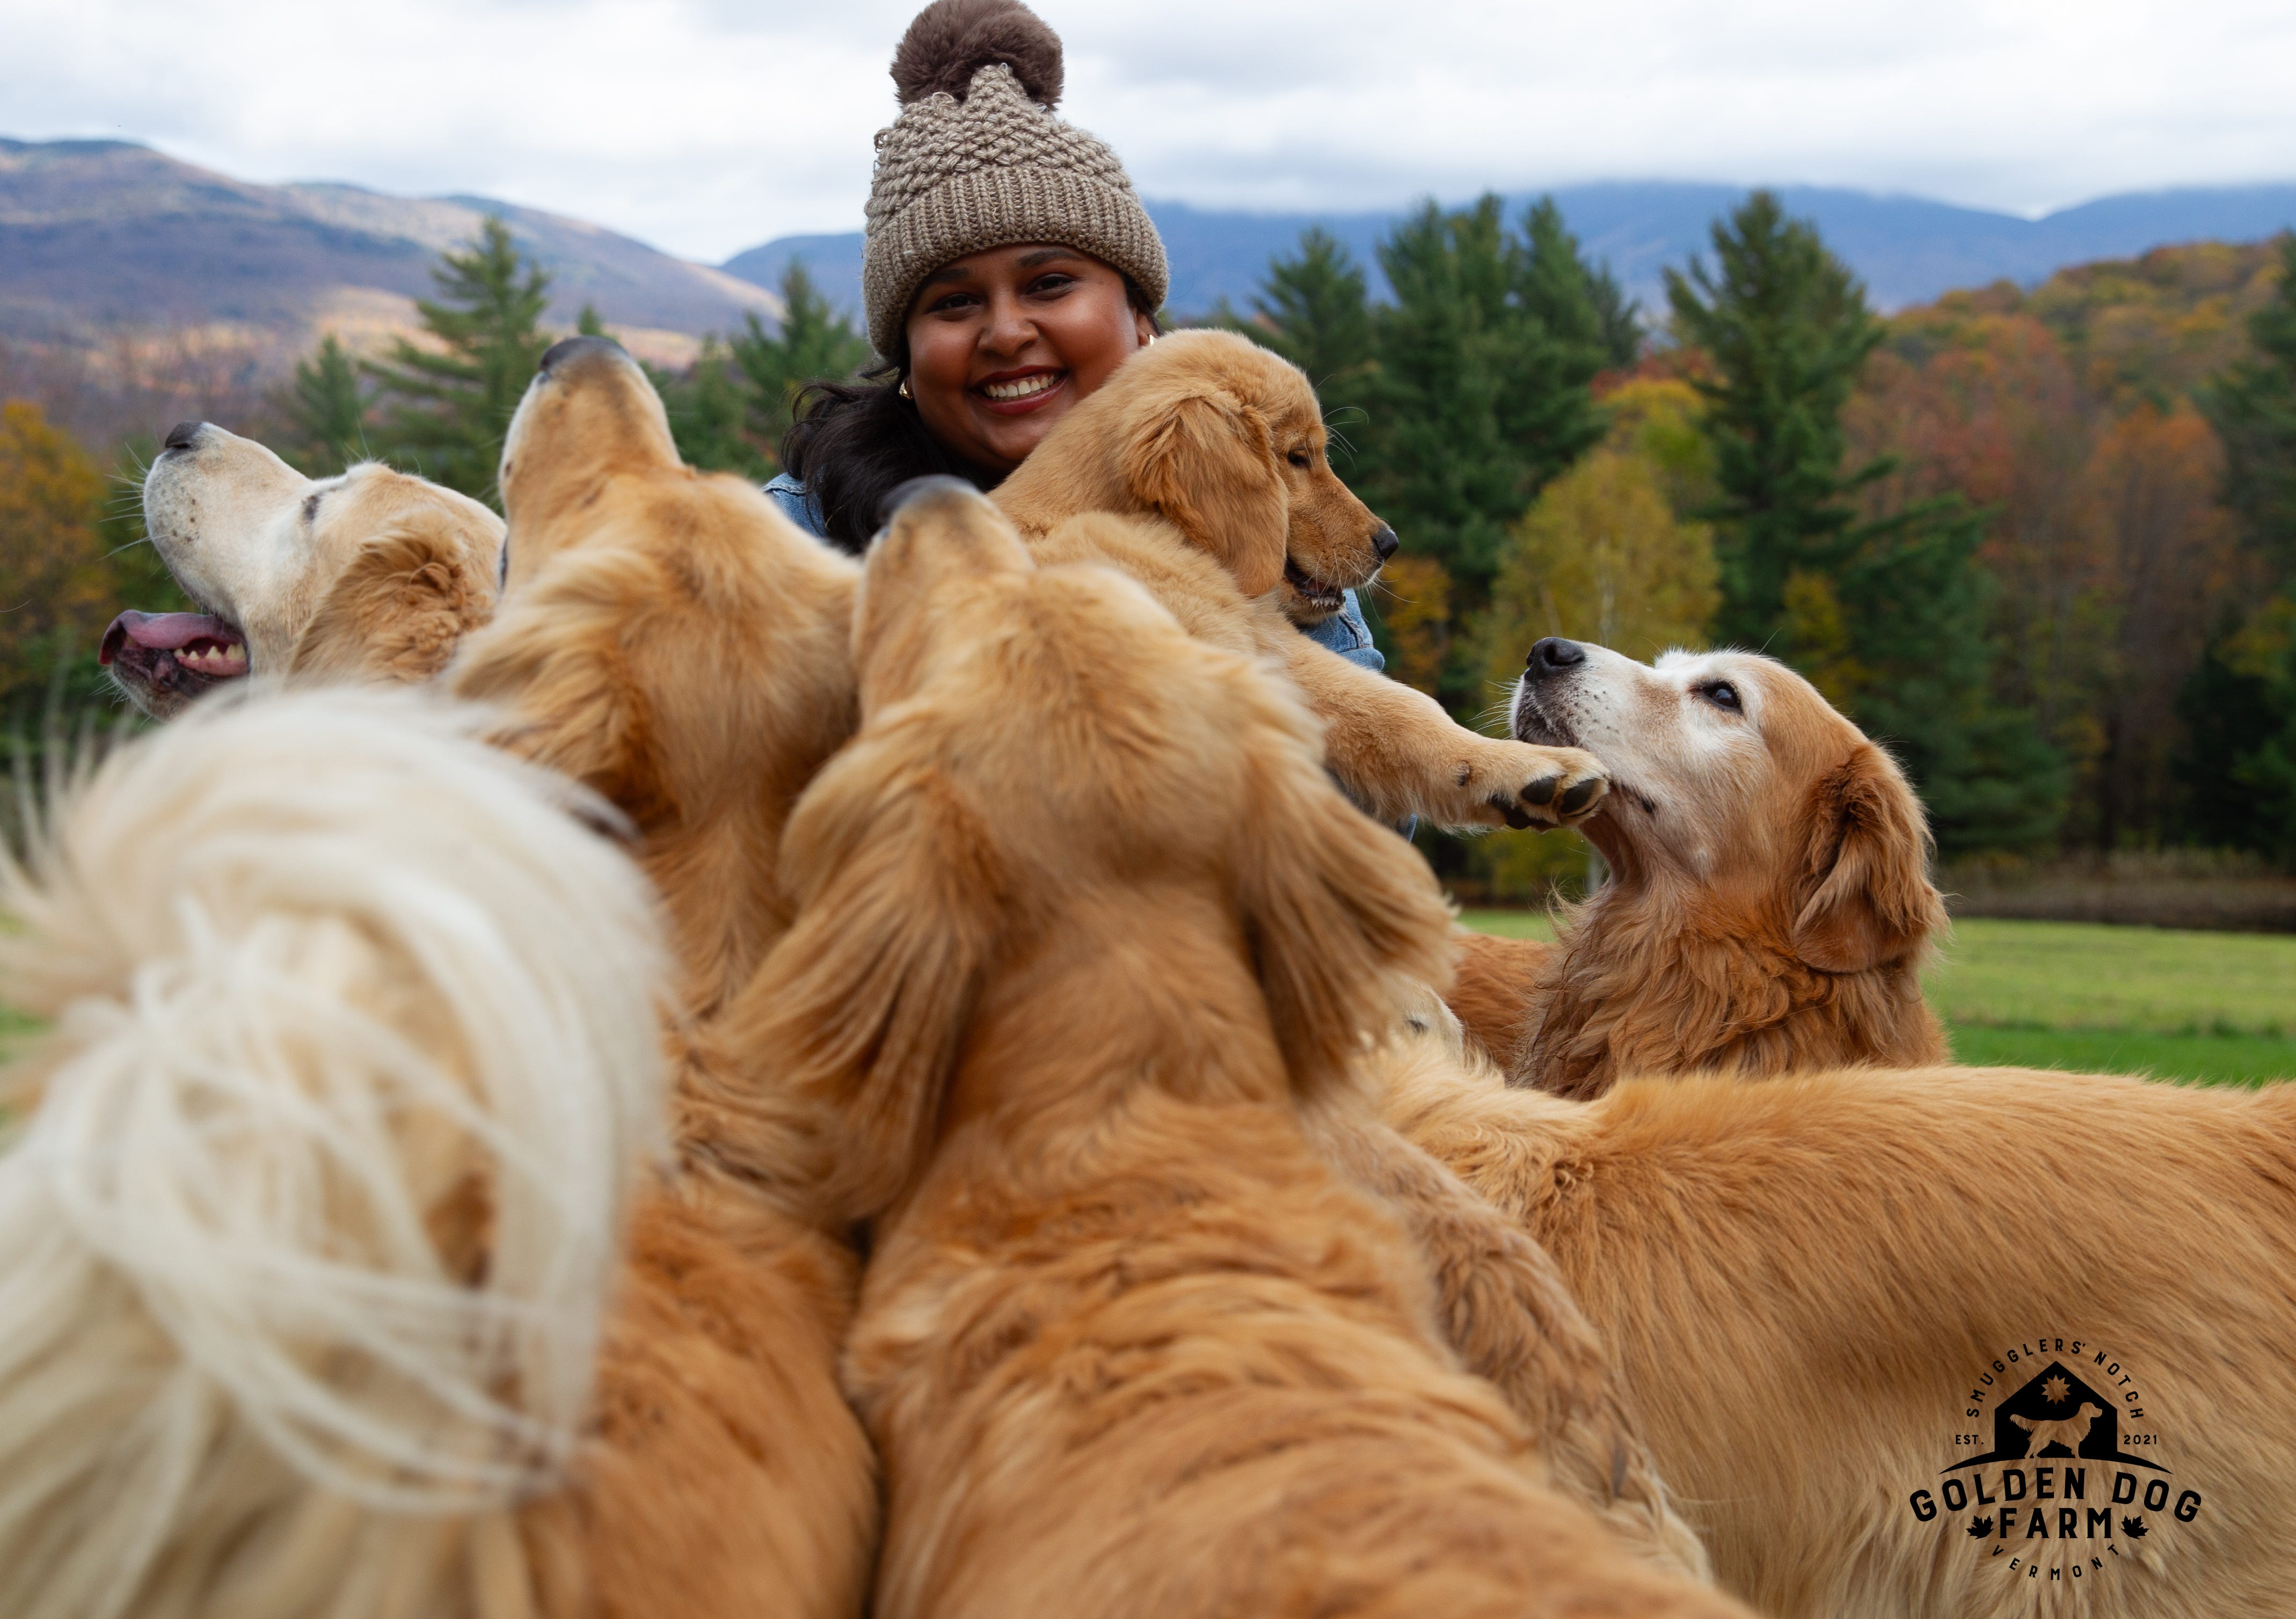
(2066, 1431)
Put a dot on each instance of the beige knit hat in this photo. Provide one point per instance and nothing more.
(977, 159)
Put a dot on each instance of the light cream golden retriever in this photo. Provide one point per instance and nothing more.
(1209, 442)
(1768, 907)
(1083, 928)
(313, 1195)
(371, 576)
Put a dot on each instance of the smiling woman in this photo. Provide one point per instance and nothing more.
(1010, 268)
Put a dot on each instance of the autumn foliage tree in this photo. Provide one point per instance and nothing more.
(52, 560)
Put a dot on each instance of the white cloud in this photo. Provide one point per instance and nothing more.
(707, 126)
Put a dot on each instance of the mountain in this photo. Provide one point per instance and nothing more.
(1907, 249)
(106, 234)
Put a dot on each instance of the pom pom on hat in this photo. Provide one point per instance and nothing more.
(951, 40)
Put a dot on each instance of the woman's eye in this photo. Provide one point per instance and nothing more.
(1300, 459)
(954, 303)
(1722, 694)
(1057, 282)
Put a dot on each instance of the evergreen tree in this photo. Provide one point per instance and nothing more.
(1621, 318)
(2253, 406)
(325, 412)
(1786, 328)
(1314, 310)
(446, 410)
(1480, 394)
(1886, 616)
(708, 409)
(815, 343)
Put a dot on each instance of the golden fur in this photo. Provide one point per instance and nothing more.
(372, 576)
(669, 639)
(1768, 908)
(1083, 928)
(1209, 441)
(1776, 1260)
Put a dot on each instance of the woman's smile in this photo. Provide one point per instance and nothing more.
(1018, 393)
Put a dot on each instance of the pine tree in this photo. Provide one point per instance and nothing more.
(446, 409)
(1620, 317)
(1786, 328)
(325, 412)
(815, 343)
(2253, 406)
(1314, 310)
(709, 408)
(1885, 615)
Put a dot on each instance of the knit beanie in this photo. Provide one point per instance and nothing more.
(975, 159)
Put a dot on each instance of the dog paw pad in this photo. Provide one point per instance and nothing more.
(1580, 797)
(1542, 791)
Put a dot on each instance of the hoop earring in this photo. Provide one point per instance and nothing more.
(906, 394)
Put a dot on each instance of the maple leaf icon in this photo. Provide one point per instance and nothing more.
(1980, 1527)
(2133, 1527)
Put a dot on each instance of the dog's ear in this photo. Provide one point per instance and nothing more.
(1206, 463)
(400, 608)
(859, 1009)
(1867, 894)
(1344, 921)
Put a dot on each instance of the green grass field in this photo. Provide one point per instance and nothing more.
(2206, 1006)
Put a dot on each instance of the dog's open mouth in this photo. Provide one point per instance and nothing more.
(1319, 594)
(182, 654)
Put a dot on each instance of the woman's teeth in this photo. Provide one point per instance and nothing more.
(1024, 386)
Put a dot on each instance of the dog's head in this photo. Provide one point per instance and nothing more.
(601, 419)
(373, 575)
(1039, 748)
(1224, 440)
(1731, 774)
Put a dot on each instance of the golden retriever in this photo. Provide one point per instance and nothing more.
(1081, 923)
(667, 639)
(1826, 1290)
(312, 1196)
(1210, 440)
(1768, 908)
(323, 1297)
(372, 576)
(670, 641)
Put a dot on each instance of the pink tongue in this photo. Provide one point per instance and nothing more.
(164, 631)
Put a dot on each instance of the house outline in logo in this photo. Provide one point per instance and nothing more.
(2012, 1443)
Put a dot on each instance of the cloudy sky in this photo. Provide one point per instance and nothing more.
(708, 125)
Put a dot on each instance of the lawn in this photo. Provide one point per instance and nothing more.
(2212, 1006)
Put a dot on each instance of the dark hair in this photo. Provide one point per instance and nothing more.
(855, 443)
(852, 444)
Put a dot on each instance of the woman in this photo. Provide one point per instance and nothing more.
(1009, 269)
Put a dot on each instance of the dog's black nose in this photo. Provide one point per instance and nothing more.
(1384, 542)
(567, 348)
(182, 435)
(1551, 655)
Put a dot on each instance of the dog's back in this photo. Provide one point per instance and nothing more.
(318, 1178)
(1083, 921)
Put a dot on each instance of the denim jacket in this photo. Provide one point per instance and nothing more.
(1344, 632)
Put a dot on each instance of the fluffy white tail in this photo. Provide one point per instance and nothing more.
(311, 1194)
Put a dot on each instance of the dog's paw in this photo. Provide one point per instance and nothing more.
(1516, 784)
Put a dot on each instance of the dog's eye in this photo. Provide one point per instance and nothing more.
(1722, 694)
(1301, 459)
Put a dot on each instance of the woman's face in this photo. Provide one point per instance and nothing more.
(1002, 343)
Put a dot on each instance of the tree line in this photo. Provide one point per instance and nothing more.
(2044, 550)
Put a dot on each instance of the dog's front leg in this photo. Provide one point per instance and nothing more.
(1399, 754)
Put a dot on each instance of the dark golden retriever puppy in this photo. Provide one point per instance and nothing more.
(1214, 444)
(1769, 906)
(1083, 928)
